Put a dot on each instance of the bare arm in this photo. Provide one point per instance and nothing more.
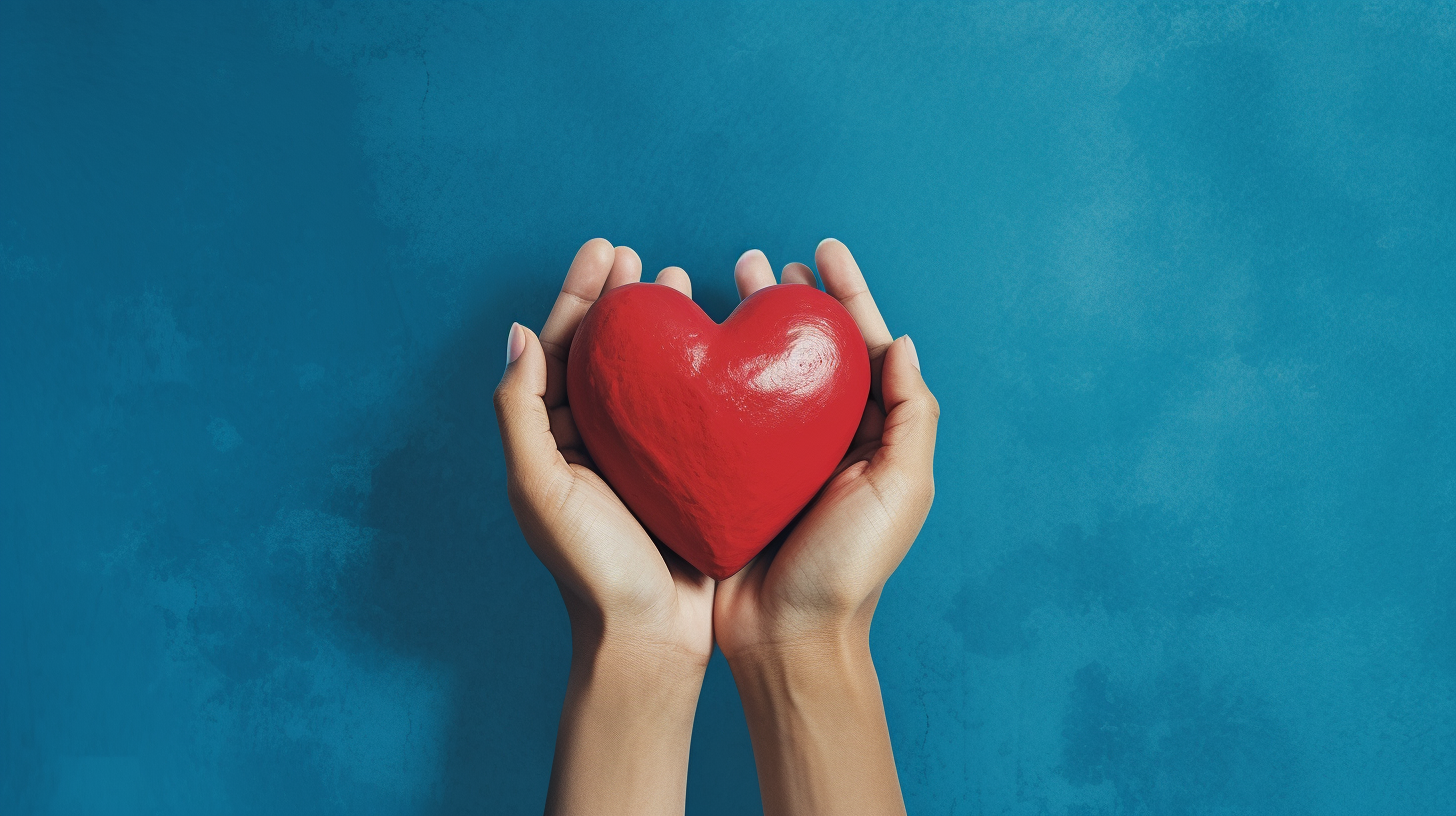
(626, 727)
(641, 619)
(795, 623)
(820, 740)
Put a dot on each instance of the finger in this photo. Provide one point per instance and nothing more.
(563, 428)
(911, 415)
(525, 427)
(583, 285)
(626, 268)
(752, 273)
(677, 278)
(843, 279)
(797, 273)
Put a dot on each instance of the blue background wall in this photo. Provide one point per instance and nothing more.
(1182, 278)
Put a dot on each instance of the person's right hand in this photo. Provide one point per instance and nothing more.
(641, 617)
(823, 582)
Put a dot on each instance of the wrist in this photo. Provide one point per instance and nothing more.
(646, 663)
(803, 665)
(778, 641)
(817, 723)
(601, 642)
(626, 726)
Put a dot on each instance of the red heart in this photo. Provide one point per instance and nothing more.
(716, 436)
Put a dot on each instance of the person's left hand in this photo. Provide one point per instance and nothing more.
(617, 583)
(641, 617)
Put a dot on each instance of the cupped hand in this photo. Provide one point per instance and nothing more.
(620, 587)
(821, 584)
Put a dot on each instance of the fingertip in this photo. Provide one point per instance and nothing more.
(901, 351)
(749, 264)
(901, 378)
(833, 251)
(797, 273)
(523, 348)
(515, 342)
(525, 374)
(752, 272)
(520, 407)
(598, 253)
(912, 354)
(626, 268)
(677, 278)
(626, 256)
(597, 249)
(589, 269)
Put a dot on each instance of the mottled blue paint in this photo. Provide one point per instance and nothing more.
(1182, 277)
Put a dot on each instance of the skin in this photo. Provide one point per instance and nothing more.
(794, 624)
(641, 619)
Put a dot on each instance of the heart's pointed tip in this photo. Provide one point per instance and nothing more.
(714, 568)
(722, 573)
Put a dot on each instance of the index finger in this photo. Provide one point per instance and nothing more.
(583, 285)
(846, 283)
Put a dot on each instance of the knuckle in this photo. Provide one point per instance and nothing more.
(924, 407)
(919, 498)
(843, 599)
(920, 492)
(502, 399)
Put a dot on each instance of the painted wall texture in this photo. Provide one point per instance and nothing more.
(1181, 276)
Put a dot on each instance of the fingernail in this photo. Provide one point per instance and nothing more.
(823, 242)
(914, 356)
(745, 256)
(515, 343)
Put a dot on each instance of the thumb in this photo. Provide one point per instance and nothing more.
(520, 408)
(911, 413)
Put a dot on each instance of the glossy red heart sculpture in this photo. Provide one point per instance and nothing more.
(716, 436)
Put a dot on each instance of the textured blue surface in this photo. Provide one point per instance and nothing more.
(1182, 278)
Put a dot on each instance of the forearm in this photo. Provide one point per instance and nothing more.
(626, 726)
(817, 722)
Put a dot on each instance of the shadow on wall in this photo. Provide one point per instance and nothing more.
(450, 581)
